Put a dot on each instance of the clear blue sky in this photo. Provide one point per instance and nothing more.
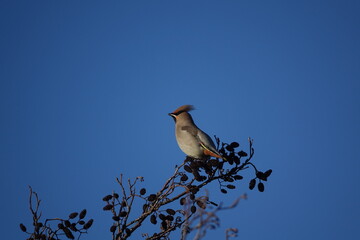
(85, 88)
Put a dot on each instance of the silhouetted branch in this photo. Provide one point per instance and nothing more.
(188, 179)
(66, 227)
(177, 205)
(231, 232)
(205, 220)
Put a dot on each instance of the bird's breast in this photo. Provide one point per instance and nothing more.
(188, 143)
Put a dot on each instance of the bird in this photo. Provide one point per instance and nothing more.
(192, 141)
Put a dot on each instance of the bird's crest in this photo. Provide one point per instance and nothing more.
(184, 108)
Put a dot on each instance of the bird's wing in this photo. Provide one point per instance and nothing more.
(207, 143)
(191, 129)
(204, 140)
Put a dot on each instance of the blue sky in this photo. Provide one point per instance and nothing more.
(85, 88)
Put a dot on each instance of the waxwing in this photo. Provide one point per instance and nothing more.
(191, 140)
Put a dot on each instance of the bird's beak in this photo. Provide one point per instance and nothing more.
(173, 116)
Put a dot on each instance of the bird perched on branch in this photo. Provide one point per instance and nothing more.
(191, 140)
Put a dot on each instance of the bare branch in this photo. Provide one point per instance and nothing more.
(179, 186)
(65, 227)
